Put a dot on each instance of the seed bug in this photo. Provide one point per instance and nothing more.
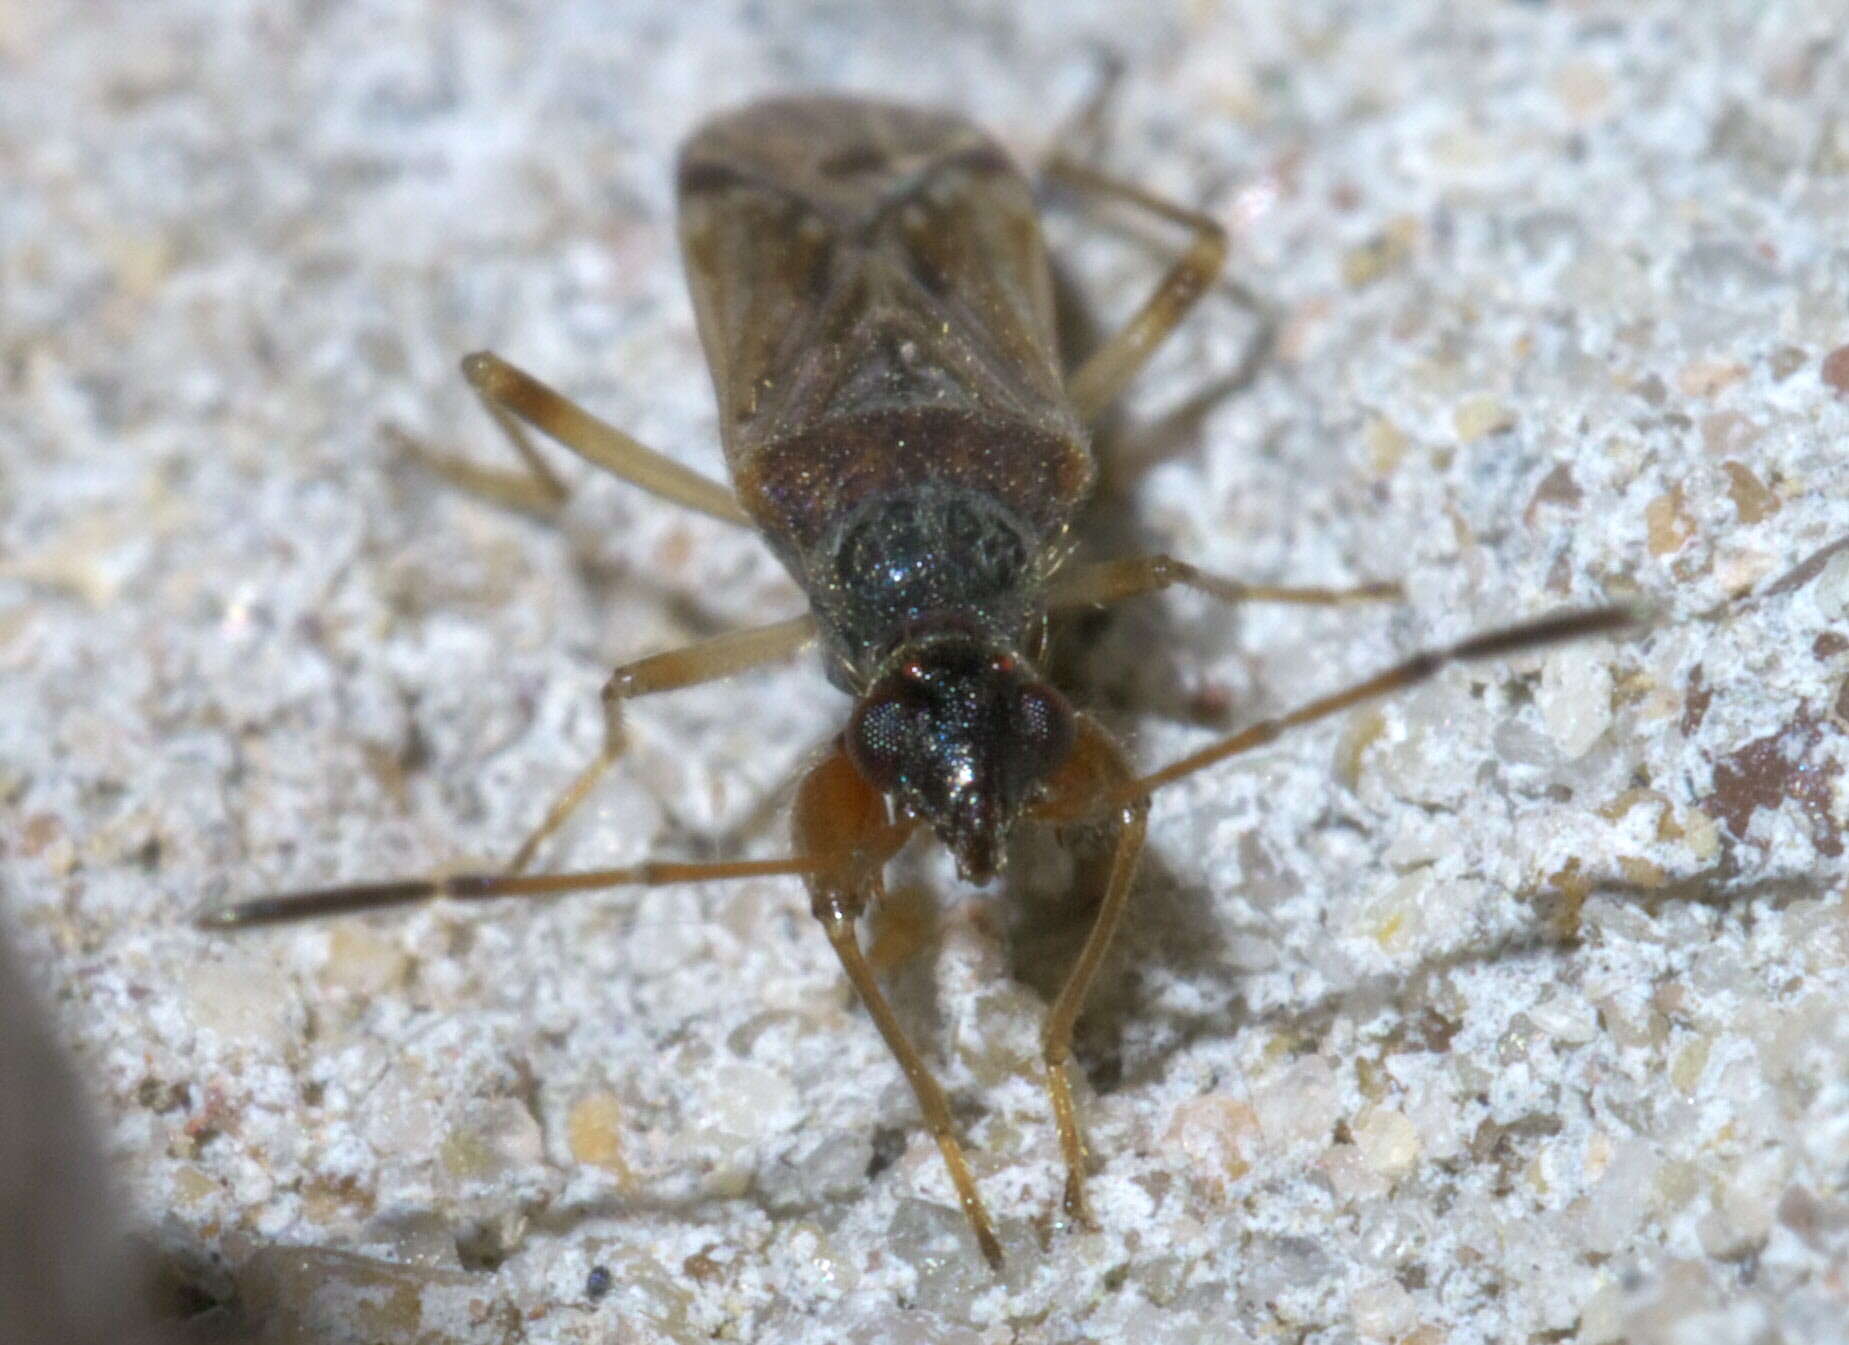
(873, 296)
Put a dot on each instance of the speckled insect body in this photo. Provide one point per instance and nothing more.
(874, 298)
(875, 303)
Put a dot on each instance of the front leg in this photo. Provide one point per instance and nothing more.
(842, 821)
(1081, 791)
(722, 656)
(515, 399)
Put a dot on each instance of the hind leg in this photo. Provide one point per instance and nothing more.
(516, 400)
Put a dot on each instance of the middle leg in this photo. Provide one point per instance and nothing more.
(707, 661)
(1114, 580)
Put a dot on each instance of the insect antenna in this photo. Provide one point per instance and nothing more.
(1555, 629)
(347, 899)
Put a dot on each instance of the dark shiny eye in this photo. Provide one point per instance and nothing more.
(1044, 728)
(879, 738)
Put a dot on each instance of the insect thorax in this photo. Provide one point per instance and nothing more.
(918, 555)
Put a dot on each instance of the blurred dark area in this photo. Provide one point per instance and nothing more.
(71, 1272)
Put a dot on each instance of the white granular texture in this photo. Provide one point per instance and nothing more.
(1511, 1009)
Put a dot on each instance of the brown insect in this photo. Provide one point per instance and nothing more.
(874, 299)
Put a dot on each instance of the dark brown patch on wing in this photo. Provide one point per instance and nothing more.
(852, 160)
(697, 176)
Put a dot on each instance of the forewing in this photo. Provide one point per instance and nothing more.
(847, 256)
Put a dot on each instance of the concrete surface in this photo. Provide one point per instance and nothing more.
(1509, 1010)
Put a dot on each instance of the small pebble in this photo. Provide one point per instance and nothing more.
(1835, 371)
(1575, 697)
(1387, 1140)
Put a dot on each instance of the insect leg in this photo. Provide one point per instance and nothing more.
(535, 490)
(516, 399)
(708, 661)
(1099, 380)
(1081, 789)
(1114, 580)
(1545, 630)
(853, 855)
(1083, 135)
(841, 821)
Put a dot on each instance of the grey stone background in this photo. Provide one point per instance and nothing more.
(1509, 1010)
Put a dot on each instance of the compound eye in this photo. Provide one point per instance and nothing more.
(1045, 729)
(880, 736)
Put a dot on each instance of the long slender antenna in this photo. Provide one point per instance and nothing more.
(1562, 626)
(286, 907)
